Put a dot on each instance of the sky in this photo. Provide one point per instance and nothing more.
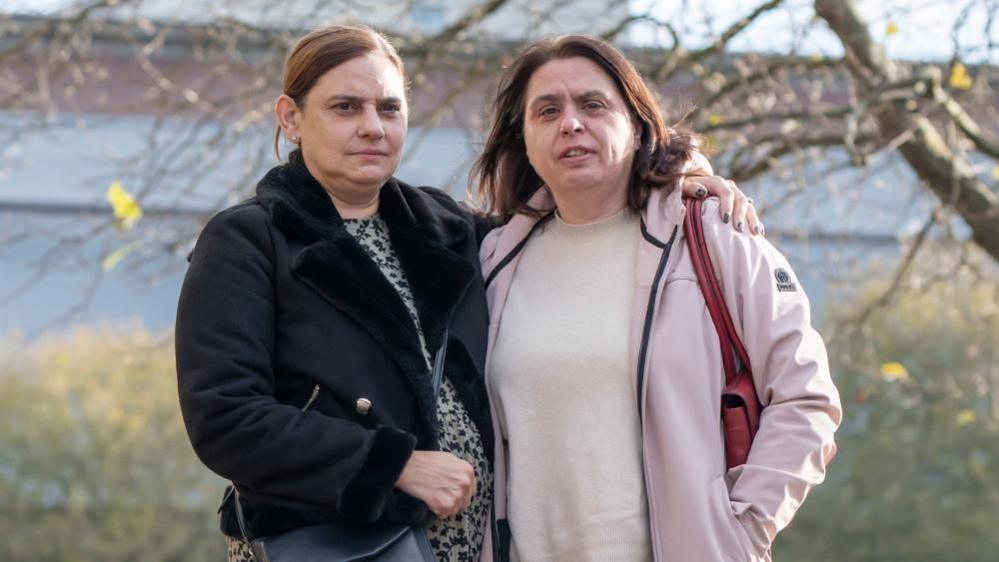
(909, 29)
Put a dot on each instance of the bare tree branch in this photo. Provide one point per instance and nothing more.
(886, 297)
(945, 172)
(983, 140)
(679, 57)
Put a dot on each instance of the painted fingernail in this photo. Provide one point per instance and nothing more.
(757, 229)
(701, 192)
(738, 226)
(725, 218)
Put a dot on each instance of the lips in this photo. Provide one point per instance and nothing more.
(575, 151)
(371, 152)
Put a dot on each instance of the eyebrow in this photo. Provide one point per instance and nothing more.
(338, 98)
(546, 98)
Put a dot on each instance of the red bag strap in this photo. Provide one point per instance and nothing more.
(732, 348)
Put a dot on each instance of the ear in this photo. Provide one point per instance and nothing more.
(288, 115)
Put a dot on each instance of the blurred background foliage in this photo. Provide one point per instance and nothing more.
(917, 474)
(94, 461)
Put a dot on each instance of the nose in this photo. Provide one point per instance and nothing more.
(371, 124)
(571, 123)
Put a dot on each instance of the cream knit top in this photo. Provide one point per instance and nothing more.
(565, 393)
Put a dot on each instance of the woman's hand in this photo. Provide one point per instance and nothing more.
(735, 206)
(443, 481)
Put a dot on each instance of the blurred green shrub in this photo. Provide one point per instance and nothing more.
(94, 461)
(917, 475)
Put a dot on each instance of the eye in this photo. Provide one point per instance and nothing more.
(548, 112)
(392, 108)
(344, 106)
(593, 105)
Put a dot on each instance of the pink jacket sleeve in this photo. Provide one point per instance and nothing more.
(801, 405)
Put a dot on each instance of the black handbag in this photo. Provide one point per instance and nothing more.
(347, 541)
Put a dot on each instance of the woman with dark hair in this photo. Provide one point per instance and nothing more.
(603, 367)
(311, 313)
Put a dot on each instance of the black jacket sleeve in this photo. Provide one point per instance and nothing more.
(225, 335)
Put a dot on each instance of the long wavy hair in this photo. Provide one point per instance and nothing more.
(505, 178)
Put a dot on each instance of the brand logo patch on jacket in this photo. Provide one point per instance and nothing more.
(784, 281)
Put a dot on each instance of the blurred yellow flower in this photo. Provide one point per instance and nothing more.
(995, 172)
(126, 209)
(965, 417)
(892, 28)
(714, 119)
(959, 77)
(894, 372)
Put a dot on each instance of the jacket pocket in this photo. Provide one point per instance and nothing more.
(728, 525)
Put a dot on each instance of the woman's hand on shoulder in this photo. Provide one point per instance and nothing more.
(443, 481)
(735, 208)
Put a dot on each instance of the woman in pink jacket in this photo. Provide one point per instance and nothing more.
(603, 365)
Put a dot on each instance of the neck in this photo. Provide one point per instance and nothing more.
(358, 205)
(355, 209)
(590, 205)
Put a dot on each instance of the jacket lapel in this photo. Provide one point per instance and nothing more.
(499, 267)
(425, 236)
(334, 264)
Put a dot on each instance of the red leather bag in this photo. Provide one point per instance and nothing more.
(740, 406)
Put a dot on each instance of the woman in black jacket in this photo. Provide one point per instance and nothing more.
(310, 314)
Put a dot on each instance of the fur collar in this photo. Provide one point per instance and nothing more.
(424, 232)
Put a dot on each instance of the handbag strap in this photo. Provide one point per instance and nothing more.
(733, 351)
(438, 373)
(240, 517)
(437, 378)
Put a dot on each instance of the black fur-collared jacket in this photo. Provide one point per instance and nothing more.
(281, 307)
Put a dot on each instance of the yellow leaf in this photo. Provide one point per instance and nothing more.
(892, 28)
(894, 372)
(959, 77)
(115, 257)
(714, 119)
(995, 172)
(965, 417)
(126, 209)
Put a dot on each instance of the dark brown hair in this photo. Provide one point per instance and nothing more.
(323, 49)
(506, 179)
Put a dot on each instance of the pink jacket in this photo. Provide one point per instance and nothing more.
(698, 511)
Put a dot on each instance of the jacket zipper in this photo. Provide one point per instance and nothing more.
(650, 494)
(312, 398)
(649, 309)
(498, 549)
